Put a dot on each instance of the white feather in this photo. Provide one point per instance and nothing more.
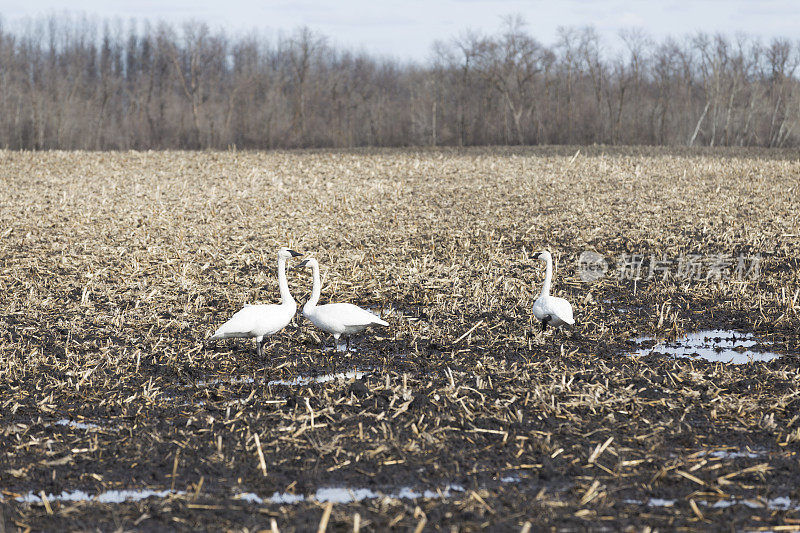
(551, 310)
(342, 318)
(557, 311)
(336, 319)
(258, 321)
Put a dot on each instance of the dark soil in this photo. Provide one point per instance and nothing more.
(561, 430)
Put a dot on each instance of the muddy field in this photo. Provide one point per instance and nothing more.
(117, 414)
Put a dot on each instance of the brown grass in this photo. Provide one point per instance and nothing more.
(117, 266)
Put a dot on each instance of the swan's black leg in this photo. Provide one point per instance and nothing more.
(544, 322)
(348, 343)
(263, 342)
(258, 347)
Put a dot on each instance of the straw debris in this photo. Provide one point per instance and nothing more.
(116, 267)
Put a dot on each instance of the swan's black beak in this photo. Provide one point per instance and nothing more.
(536, 255)
(301, 264)
(295, 254)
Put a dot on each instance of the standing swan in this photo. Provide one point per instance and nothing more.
(258, 321)
(552, 311)
(337, 319)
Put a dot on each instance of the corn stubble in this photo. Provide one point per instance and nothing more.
(116, 267)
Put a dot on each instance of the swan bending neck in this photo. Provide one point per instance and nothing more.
(316, 289)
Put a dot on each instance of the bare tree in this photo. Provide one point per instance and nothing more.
(66, 84)
(301, 52)
(511, 64)
(782, 59)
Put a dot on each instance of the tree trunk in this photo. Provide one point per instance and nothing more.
(699, 123)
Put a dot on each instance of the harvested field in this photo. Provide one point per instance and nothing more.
(462, 415)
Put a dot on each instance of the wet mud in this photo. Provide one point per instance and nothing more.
(118, 414)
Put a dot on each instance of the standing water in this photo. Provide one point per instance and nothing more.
(716, 345)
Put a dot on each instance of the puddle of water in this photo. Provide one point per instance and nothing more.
(408, 492)
(299, 380)
(732, 454)
(249, 497)
(231, 381)
(79, 425)
(322, 495)
(285, 498)
(350, 495)
(781, 503)
(712, 345)
(112, 496)
(305, 380)
(661, 502)
(344, 495)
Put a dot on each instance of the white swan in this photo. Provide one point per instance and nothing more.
(258, 321)
(337, 319)
(552, 311)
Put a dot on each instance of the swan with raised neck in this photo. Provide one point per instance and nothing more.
(550, 310)
(339, 318)
(259, 321)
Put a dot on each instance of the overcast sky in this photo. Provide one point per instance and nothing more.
(406, 29)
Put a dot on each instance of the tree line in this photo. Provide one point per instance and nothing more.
(70, 83)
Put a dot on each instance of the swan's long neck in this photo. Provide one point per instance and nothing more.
(316, 289)
(283, 284)
(548, 277)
